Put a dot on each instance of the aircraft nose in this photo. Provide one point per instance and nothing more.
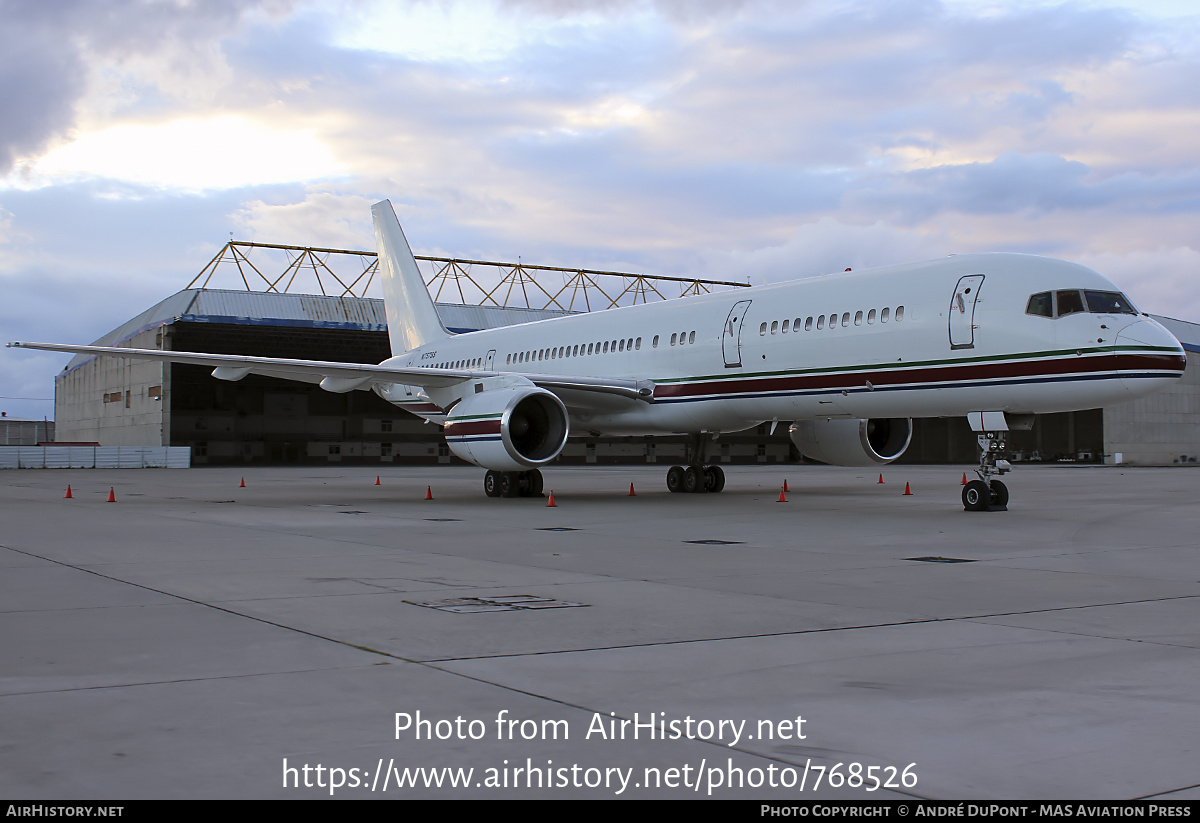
(1148, 357)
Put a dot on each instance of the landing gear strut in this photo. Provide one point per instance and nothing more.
(987, 494)
(513, 484)
(697, 477)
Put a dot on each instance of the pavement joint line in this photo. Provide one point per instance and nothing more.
(792, 633)
(213, 606)
(1100, 636)
(831, 629)
(1167, 792)
(209, 679)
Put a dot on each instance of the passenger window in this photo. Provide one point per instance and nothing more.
(820, 322)
(1069, 302)
(673, 336)
(845, 319)
(899, 313)
(858, 318)
(870, 317)
(654, 342)
(808, 324)
(605, 347)
(762, 330)
(637, 344)
(883, 315)
(1040, 305)
(692, 337)
(785, 326)
(774, 327)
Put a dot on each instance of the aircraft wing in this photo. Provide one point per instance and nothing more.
(342, 377)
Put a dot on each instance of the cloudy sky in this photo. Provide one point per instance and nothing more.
(717, 138)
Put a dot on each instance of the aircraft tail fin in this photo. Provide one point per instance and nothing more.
(412, 318)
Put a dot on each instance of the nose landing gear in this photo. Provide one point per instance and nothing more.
(987, 494)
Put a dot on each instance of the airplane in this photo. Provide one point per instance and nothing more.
(849, 359)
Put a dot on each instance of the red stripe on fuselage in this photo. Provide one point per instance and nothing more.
(938, 374)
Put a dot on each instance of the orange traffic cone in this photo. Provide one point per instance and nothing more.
(112, 495)
(880, 479)
(907, 490)
(68, 495)
(964, 478)
(551, 502)
(785, 488)
(632, 493)
(377, 483)
(781, 499)
(242, 485)
(429, 492)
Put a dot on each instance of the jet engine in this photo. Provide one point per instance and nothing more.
(510, 429)
(870, 442)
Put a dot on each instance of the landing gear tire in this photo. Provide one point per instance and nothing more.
(510, 485)
(675, 479)
(999, 495)
(491, 483)
(535, 483)
(695, 479)
(976, 496)
(714, 479)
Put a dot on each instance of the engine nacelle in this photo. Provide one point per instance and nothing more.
(853, 442)
(508, 429)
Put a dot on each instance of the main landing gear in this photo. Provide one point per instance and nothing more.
(986, 494)
(697, 477)
(513, 484)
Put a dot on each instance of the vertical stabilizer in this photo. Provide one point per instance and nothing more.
(412, 318)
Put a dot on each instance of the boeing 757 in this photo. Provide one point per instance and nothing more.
(848, 358)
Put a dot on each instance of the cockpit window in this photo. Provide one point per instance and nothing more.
(1044, 304)
(1109, 302)
(1069, 302)
(1041, 305)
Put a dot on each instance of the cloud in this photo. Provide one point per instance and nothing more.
(1161, 281)
(53, 54)
(324, 218)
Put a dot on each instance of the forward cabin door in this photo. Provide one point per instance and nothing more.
(962, 311)
(731, 338)
(489, 360)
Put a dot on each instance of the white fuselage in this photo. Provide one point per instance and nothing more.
(934, 339)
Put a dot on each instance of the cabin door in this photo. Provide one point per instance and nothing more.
(731, 338)
(962, 312)
(487, 362)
